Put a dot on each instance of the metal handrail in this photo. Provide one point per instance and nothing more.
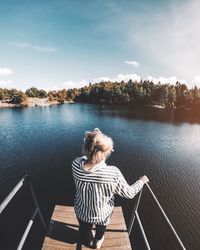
(26, 232)
(135, 215)
(10, 196)
(142, 230)
(166, 218)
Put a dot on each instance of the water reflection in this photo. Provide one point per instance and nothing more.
(153, 114)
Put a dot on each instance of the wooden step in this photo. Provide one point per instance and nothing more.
(63, 231)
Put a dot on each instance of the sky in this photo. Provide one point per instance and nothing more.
(56, 44)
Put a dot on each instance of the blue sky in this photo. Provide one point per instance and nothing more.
(58, 44)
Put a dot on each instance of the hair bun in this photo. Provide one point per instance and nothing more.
(97, 145)
(97, 130)
(90, 140)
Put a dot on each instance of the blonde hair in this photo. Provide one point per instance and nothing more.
(97, 146)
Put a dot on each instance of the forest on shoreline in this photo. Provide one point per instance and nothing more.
(137, 93)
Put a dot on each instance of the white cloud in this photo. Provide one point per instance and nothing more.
(5, 71)
(82, 83)
(102, 79)
(119, 78)
(196, 81)
(8, 84)
(21, 45)
(134, 63)
(5, 82)
(44, 49)
(70, 85)
(127, 77)
(34, 47)
(137, 78)
(163, 80)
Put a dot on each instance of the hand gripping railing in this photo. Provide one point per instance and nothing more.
(135, 215)
(36, 211)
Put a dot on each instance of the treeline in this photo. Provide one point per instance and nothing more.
(141, 93)
(131, 92)
(13, 96)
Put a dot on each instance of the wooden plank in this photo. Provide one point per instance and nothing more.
(70, 208)
(72, 215)
(115, 223)
(73, 220)
(53, 247)
(112, 241)
(63, 231)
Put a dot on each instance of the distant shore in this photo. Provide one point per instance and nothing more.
(32, 102)
(44, 102)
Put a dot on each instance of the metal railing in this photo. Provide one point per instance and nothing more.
(36, 212)
(135, 215)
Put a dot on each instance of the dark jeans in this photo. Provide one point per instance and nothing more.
(85, 230)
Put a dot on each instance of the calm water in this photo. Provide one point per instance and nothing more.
(43, 141)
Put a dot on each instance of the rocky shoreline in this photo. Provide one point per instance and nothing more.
(32, 102)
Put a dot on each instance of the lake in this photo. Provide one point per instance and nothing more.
(43, 141)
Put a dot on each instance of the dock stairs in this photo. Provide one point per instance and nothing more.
(62, 232)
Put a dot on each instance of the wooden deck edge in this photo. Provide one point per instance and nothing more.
(63, 231)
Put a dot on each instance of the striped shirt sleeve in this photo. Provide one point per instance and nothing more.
(124, 189)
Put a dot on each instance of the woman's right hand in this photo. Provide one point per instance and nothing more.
(144, 179)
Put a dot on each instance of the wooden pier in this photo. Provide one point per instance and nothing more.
(63, 231)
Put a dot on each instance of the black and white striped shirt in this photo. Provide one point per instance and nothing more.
(95, 190)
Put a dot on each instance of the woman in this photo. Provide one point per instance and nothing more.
(96, 184)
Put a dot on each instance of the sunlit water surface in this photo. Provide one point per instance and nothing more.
(42, 142)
